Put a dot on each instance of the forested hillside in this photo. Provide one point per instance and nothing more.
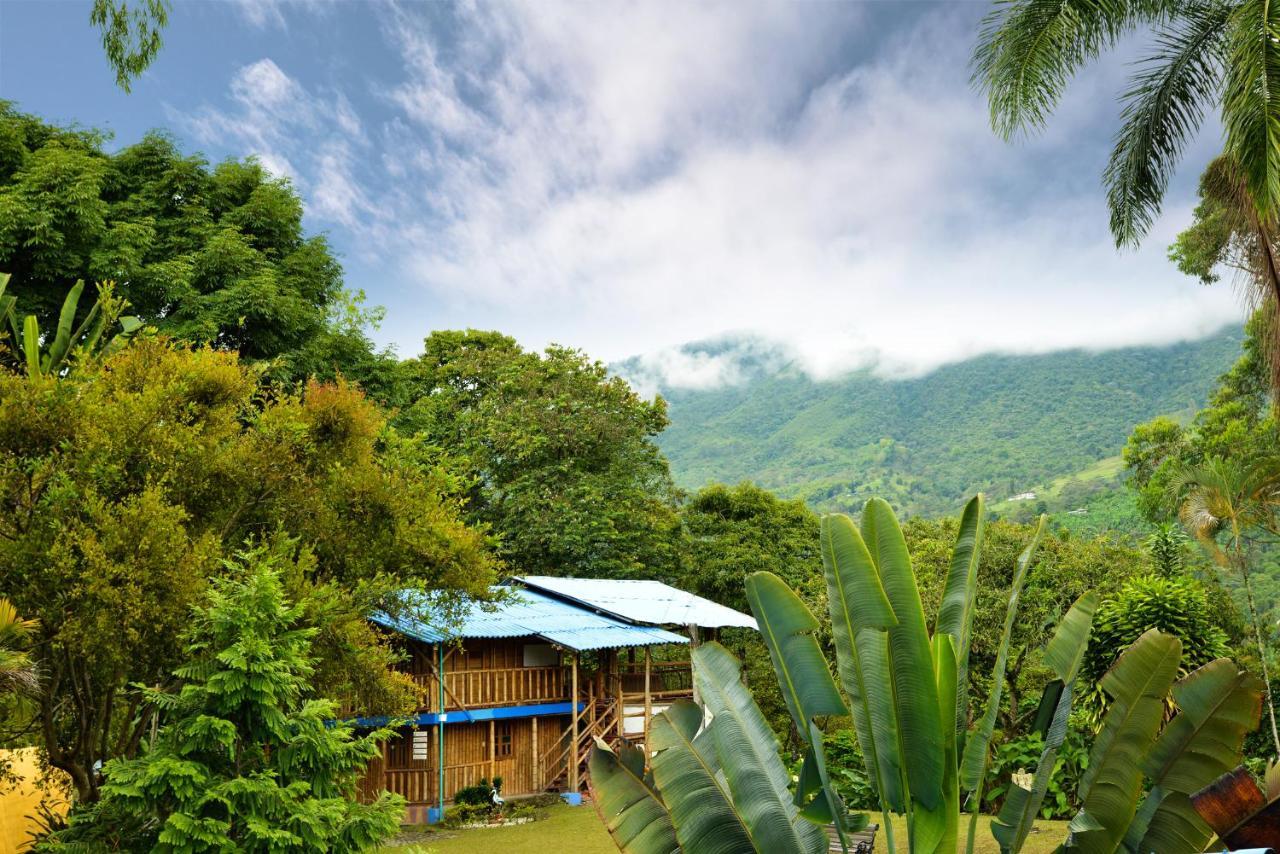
(1002, 424)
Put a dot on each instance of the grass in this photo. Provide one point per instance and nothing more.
(578, 830)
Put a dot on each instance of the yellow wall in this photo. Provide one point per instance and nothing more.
(18, 803)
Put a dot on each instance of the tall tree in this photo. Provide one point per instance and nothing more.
(1207, 54)
(125, 483)
(558, 455)
(209, 255)
(1225, 501)
(734, 531)
(247, 759)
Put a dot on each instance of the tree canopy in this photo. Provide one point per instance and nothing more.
(211, 255)
(125, 483)
(558, 455)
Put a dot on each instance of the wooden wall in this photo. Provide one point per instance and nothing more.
(486, 673)
(468, 759)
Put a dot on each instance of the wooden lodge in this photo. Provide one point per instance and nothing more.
(528, 686)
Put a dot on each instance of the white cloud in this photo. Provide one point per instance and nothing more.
(629, 178)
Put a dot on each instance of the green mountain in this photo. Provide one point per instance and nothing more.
(1007, 425)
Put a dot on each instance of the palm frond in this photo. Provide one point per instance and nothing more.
(1028, 49)
(1251, 100)
(1163, 108)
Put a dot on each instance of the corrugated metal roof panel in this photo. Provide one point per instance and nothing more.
(526, 613)
(650, 602)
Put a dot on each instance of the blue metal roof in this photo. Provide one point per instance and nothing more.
(528, 613)
(640, 601)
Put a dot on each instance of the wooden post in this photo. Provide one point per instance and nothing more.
(693, 642)
(493, 750)
(573, 730)
(648, 702)
(537, 757)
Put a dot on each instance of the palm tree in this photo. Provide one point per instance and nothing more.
(18, 673)
(1222, 54)
(1222, 502)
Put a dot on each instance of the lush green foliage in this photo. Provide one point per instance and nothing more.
(247, 758)
(1000, 424)
(1018, 756)
(124, 484)
(130, 34)
(210, 255)
(1176, 606)
(18, 674)
(558, 455)
(722, 787)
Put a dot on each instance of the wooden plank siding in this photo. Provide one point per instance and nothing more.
(468, 759)
(485, 674)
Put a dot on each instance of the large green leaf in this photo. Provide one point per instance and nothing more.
(635, 815)
(860, 612)
(748, 756)
(1063, 656)
(62, 338)
(31, 344)
(1138, 683)
(787, 628)
(1251, 100)
(974, 765)
(707, 817)
(915, 692)
(936, 830)
(955, 614)
(1218, 704)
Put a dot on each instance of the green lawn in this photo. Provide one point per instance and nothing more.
(578, 830)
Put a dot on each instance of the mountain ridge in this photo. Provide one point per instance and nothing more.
(1000, 423)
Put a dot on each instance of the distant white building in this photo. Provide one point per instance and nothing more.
(1024, 496)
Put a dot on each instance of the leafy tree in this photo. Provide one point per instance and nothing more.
(247, 759)
(1176, 605)
(1212, 54)
(208, 255)
(1065, 568)
(1224, 502)
(125, 483)
(130, 35)
(558, 454)
(1167, 546)
(734, 531)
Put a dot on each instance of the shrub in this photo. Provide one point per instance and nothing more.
(1176, 605)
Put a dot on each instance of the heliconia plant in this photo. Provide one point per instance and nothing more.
(50, 358)
(715, 782)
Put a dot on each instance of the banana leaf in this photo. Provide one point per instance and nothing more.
(860, 612)
(955, 614)
(31, 345)
(937, 830)
(915, 693)
(62, 338)
(973, 767)
(1138, 683)
(706, 818)
(787, 628)
(1063, 655)
(630, 807)
(1218, 704)
(748, 755)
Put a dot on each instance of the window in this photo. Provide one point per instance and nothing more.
(540, 655)
(502, 741)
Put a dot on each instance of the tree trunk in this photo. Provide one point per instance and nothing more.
(1262, 649)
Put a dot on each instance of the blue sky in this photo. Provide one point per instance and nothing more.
(628, 178)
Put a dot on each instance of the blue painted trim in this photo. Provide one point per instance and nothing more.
(473, 715)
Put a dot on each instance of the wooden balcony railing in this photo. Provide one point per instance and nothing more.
(471, 689)
(667, 680)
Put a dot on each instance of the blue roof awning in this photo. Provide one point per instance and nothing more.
(529, 613)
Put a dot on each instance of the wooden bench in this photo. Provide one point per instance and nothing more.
(862, 842)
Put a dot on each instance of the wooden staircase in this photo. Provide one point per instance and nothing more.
(598, 717)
